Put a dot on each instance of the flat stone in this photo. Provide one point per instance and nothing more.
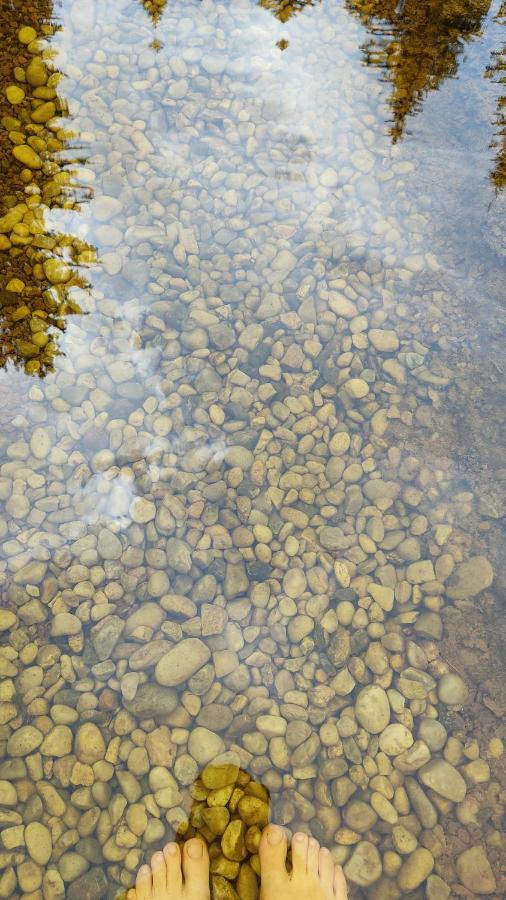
(109, 545)
(180, 663)
(470, 578)
(152, 701)
(204, 745)
(444, 779)
(106, 634)
(24, 741)
(421, 571)
(90, 886)
(383, 340)
(339, 647)
(179, 555)
(415, 869)
(475, 872)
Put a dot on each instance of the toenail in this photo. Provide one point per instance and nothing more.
(172, 849)
(274, 836)
(299, 837)
(313, 842)
(144, 871)
(194, 849)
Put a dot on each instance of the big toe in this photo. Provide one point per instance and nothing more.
(272, 852)
(196, 869)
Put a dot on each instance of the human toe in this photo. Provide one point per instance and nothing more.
(272, 852)
(196, 868)
(340, 886)
(326, 868)
(313, 851)
(300, 846)
(172, 856)
(159, 875)
(144, 884)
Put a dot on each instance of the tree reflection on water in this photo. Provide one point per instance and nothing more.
(418, 45)
(42, 267)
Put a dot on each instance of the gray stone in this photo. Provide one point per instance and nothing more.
(152, 702)
(470, 578)
(180, 663)
(106, 634)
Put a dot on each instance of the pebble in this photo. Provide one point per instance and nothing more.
(444, 779)
(452, 689)
(364, 866)
(372, 709)
(415, 869)
(470, 578)
(475, 872)
(183, 661)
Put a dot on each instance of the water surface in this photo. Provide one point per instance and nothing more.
(251, 463)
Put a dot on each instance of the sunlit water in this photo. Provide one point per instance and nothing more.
(260, 470)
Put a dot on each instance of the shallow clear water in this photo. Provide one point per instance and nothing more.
(250, 455)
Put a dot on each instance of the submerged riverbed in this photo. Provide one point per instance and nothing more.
(251, 462)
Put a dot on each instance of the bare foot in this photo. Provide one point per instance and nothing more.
(314, 873)
(170, 878)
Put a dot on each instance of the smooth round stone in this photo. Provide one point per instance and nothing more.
(384, 340)
(40, 443)
(433, 733)
(271, 726)
(452, 689)
(105, 208)
(142, 510)
(415, 869)
(356, 388)
(7, 619)
(181, 662)
(299, 627)
(58, 742)
(364, 866)
(204, 745)
(109, 545)
(340, 443)
(395, 738)
(38, 842)
(29, 158)
(71, 865)
(294, 583)
(89, 745)
(240, 457)
(372, 709)
(24, 741)
(421, 571)
(360, 816)
(57, 271)
(444, 779)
